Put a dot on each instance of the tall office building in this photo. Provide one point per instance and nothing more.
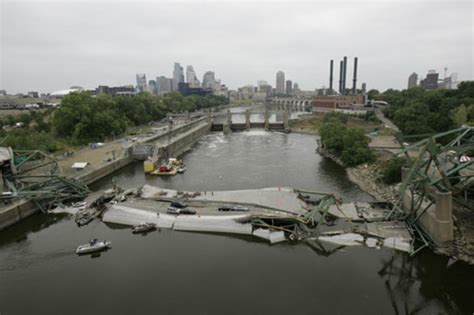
(412, 80)
(208, 80)
(431, 80)
(178, 75)
(289, 87)
(191, 77)
(164, 84)
(261, 83)
(280, 82)
(296, 88)
(152, 87)
(141, 82)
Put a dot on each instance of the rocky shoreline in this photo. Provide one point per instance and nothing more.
(366, 176)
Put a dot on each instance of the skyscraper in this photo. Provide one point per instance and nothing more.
(191, 77)
(412, 80)
(178, 75)
(152, 87)
(289, 87)
(208, 80)
(164, 84)
(431, 80)
(280, 82)
(296, 88)
(141, 82)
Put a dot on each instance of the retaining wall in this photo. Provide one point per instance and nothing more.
(21, 209)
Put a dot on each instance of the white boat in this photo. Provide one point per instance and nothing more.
(93, 246)
(182, 169)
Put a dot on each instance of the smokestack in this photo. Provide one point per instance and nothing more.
(344, 76)
(331, 67)
(341, 65)
(354, 80)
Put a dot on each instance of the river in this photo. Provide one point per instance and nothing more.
(170, 272)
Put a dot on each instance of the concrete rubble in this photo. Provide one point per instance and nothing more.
(274, 214)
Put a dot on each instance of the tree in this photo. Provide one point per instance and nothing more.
(343, 118)
(413, 119)
(372, 94)
(459, 115)
(392, 172)
(350, 144)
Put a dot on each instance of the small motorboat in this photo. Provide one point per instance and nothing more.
(93, 246)
(182, 169)
(144, 227)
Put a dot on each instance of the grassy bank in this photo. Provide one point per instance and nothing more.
(312, 123)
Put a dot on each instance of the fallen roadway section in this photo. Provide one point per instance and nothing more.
(316, 222)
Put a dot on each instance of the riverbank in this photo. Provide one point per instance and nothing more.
(367, 177)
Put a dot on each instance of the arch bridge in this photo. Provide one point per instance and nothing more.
(290, 104)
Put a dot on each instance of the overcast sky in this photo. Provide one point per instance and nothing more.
(49, 46)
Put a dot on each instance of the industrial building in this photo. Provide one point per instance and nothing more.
(339, 101)
(346, 98)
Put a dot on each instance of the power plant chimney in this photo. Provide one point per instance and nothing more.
(341, 65)
(354, 80)
(344, 76)
(331, 67)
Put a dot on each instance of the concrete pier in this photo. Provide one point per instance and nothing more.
(247, 119)
(267, 118)
(436, 216)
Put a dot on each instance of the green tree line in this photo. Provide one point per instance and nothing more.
(84, 118)
(421, 111)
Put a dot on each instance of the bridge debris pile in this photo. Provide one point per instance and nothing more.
(36, 176)
(437, 165)
(323, 220)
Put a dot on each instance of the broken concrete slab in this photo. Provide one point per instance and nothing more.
(262, 233)
(387, 229)
(398, 244)
(130, 216)
(347, 239)
(215, 224)
(277, 237)
(345, 211)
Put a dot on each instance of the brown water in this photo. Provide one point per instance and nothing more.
(171, 272)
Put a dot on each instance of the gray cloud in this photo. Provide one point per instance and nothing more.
(48, 46)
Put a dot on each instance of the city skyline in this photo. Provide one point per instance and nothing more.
(30, 49)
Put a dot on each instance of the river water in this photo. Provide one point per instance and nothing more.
(171, 272)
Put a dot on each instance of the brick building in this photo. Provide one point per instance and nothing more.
(339, 101)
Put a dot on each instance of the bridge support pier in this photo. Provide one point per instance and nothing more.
(286, 125)
(228, 123)
(267, 118)
(247, 119)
